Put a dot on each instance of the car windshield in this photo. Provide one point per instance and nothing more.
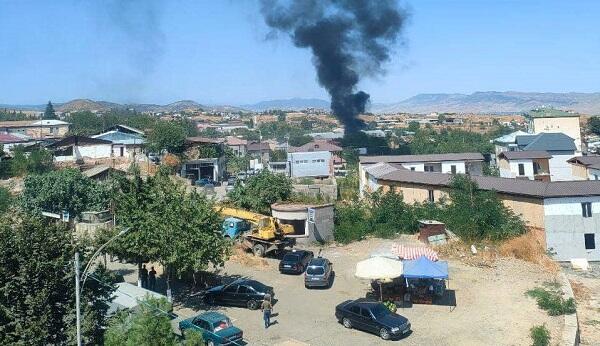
(380, 310)
(222, 324)
(258, 286)
(315, 271)
(291, 258)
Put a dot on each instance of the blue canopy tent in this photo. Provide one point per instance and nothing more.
(424, 268)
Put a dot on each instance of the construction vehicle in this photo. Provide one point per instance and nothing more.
(261, 233)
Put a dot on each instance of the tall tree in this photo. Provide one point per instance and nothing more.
(37, 293)
(65, 189)
(49, 113)
(180, 230)
(262, 190)
(169, 136)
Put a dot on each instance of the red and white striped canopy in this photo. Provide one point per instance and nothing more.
(413, 253)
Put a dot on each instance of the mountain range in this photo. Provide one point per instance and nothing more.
(478, 102)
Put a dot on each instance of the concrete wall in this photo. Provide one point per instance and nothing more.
(329, 192)
(97, 151)
(567, 125)
(322, 229)
(565, 227)
(530, 209)
(510, 169)
(560, 169)
(310, 164)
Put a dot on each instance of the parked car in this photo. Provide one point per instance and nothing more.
(295, 261)
(372, 316)
(318, 273)
(206, 181)
(230, 184)
(248, 293)
(154, 157)
(216, 328)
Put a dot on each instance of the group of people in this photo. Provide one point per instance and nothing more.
(148, 278)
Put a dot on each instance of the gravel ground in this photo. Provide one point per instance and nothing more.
(586, 286)
(491, 306)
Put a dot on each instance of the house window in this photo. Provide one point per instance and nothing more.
(586, 209)
(536, 168)
(430, 196)
(521, 169)
(428, 168)
(412, 168)
(453, 169)
(590, 241)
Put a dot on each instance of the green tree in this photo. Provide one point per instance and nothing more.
(148, 326)
(594, 125)
(414, 126)
(66, 189)
(168, 135)
(476, 214)
(262, 190)
(37, 293)
(390, 215)
(6, 199)
(49, 112)
(37, 161)
(85, 123)
(179, 230)
(278, 156)
(298, 140)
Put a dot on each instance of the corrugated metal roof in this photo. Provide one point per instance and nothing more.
(422, 158)
(530, 188)
(382, 168)
(317, 145)
(529, 154)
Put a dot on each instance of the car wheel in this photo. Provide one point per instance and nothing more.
(346, 322)
(385, 335)
(252, 304)
(258, 250)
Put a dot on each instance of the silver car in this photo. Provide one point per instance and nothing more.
(318, 273)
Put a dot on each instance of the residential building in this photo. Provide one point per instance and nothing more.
(585, 167)
(532, 165)
(279, 167)
(508, 142)
(315, 164)
(127, 142)
(375, 172)
(567, 212)
(559, 145)
(10, 140)
(80, 149)
(260, 150)
(212, 168)
(36, 129)
(543, 120)
(339, 164)
(327, 135)
(468, 163)
(237, 145)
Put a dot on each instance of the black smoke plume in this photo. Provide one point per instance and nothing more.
(348, 39)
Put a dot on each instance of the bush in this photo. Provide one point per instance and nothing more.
(262, 190)
(540, 335)
(351, 222)
(552, 302)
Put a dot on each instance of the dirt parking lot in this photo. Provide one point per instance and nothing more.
(491, 306)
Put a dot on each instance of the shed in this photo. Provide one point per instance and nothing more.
(312, 223)
(428, 228)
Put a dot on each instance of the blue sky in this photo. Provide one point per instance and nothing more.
(216, 52)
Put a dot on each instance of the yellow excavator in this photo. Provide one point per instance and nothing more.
(261, 233)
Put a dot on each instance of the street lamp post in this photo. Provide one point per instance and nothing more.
(84, 275)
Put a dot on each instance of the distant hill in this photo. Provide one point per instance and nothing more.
(86, 105)
(288, 104)
(493, 102)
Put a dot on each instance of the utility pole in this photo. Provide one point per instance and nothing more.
(77, 293)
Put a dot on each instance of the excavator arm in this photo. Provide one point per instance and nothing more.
(266, 227)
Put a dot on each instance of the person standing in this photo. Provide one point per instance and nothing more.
(144, 276)
(266, 308)
(152, 279)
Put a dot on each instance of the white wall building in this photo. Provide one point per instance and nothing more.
(79, 148)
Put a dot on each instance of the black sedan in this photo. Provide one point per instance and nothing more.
(373, 317)
(247, 293)
(295, 261)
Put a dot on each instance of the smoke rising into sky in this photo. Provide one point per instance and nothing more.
(349, 39)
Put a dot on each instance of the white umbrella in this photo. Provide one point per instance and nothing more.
(379, 268)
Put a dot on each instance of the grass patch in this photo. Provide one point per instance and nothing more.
(540, 335)
(552, 301)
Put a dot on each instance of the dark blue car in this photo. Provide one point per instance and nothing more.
(215, 327)
(373, 317)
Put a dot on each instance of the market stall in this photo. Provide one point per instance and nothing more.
(425, 279)
(382, 271)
